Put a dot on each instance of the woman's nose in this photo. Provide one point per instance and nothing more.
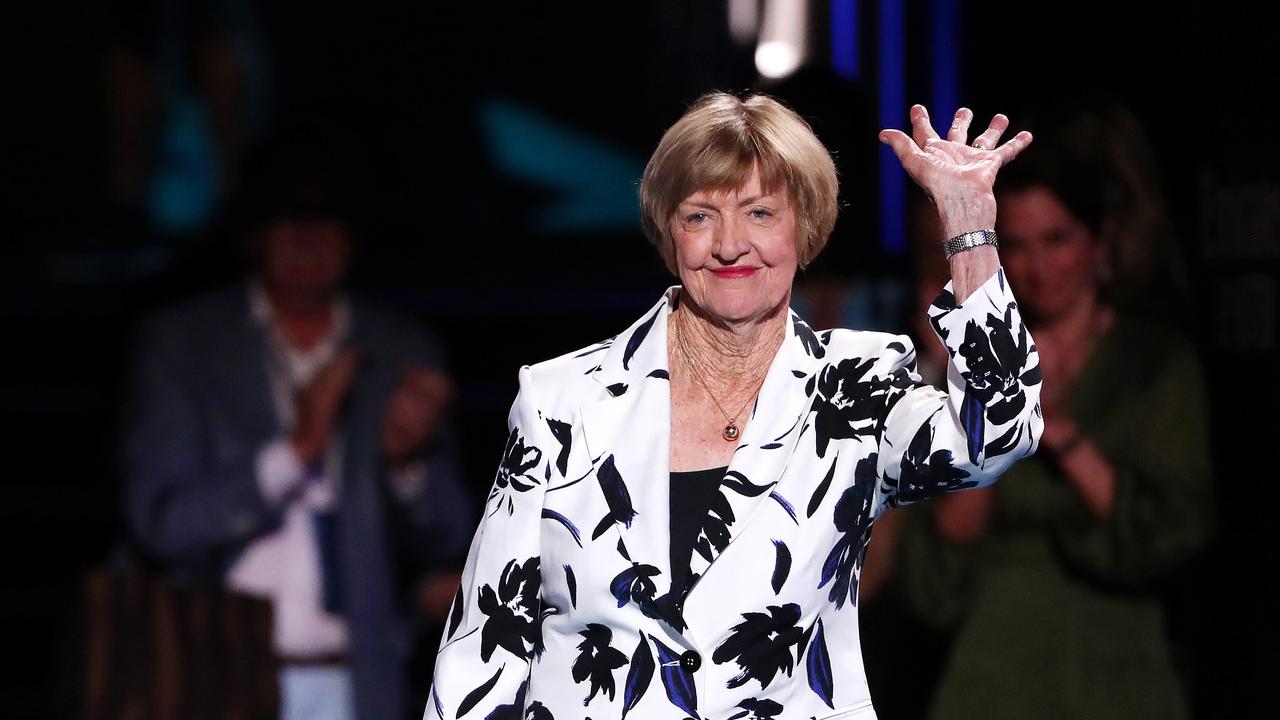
(730, 242)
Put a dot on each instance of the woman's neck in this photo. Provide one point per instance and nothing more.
(729, 357)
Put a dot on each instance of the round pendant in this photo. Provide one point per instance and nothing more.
(730, 432)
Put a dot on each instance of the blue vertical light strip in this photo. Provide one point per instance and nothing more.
(944, 30)
(844, 38)
(891, 88)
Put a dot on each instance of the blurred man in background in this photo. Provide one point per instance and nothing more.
(293, 441)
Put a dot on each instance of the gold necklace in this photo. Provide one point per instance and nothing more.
(731, 430)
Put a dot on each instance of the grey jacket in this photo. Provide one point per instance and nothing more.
(198, 412)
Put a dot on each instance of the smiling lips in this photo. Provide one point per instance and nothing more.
(733, 273)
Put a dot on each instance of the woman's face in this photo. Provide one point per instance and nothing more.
(1052, 258)
(735, 251)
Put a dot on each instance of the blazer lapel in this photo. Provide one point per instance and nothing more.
(628, 436)
(770, 438)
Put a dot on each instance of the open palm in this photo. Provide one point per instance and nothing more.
(958, 176)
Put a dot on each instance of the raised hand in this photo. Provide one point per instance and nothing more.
(957, 176)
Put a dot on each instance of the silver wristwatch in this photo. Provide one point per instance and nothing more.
(969, 241)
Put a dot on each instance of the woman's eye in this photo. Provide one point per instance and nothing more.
(695, 218)
(761, 214)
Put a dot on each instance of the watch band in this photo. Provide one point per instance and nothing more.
(969, 241)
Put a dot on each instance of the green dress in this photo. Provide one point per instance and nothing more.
(1056, 614)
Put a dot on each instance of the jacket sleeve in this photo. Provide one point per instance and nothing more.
(182, 504)
(1163, 494)
(494, 625)
(989, 416)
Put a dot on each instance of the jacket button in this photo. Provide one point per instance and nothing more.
(691, 661)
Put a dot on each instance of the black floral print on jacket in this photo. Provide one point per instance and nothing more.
(567, 595)
(512, 610)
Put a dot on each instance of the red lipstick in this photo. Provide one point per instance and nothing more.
(733, 273)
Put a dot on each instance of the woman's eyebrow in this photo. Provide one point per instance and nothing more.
(706, 204)
(750, 200)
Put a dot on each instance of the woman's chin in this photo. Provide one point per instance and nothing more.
(737, 302)
(737, 310)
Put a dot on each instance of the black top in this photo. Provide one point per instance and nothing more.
(692, 493)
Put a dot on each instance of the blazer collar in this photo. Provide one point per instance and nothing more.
(640, 351)
(628, 435)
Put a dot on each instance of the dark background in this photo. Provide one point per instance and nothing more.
(457, 237)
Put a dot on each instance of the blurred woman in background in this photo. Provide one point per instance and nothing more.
(1054, 576)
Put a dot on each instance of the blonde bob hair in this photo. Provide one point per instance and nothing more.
(715, 145)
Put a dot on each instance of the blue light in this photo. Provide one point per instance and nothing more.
(893, 114)
(591, 181)
(844, 38)
(945, 62)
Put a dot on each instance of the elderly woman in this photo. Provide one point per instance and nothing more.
(677, 525)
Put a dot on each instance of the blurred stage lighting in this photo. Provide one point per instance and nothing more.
(776, 60)
(744, 20)
(783, 38)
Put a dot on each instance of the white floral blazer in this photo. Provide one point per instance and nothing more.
(565, 610)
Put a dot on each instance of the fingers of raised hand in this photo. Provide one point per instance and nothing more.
(1008, 151)
(990, 138)
(959, 132)
(904, 147)
(921, 131)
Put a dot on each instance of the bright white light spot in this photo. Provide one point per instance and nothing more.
(777, 59)
(783, 38)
